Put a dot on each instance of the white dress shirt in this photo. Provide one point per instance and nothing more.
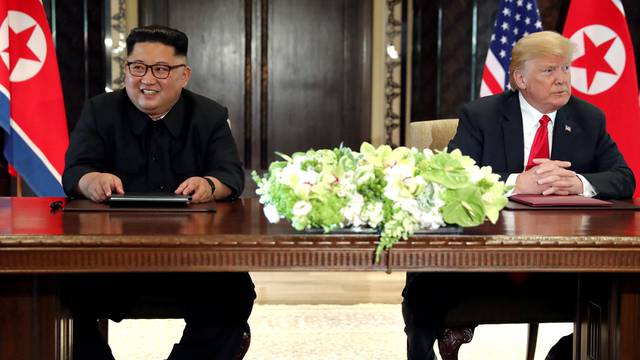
(530, 124)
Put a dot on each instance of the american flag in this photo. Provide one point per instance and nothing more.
(514, 19)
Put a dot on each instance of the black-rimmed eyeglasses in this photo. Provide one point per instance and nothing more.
(160, 71)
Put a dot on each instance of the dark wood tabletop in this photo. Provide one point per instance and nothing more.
(237, 237)
(37, 244)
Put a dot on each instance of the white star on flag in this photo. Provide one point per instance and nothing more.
(509, 27)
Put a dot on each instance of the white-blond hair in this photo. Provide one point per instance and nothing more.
(535, 45)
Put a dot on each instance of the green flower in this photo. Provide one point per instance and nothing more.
(396, 191)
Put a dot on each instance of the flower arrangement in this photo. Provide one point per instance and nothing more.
(396, 191)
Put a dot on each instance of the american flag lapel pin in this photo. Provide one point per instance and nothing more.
(567, 128)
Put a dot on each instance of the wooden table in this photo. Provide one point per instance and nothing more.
(35, 244)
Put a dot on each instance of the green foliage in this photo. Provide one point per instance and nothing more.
(396, 191)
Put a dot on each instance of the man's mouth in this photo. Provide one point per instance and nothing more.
(149, 91)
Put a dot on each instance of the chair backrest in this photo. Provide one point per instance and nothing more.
(432, 134)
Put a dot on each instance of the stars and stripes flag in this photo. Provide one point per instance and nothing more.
(514, 19)
(603, 71)
(31, 104)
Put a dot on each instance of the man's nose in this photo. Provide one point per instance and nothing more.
(148, 78)
(561, 77)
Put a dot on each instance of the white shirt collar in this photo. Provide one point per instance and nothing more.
(158, 117)
(530, 115)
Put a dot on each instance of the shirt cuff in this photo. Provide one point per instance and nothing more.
(587, 189)
(511, 181)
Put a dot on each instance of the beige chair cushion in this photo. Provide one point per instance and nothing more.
(432, 134)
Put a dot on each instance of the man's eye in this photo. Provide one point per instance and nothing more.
(161, 69)
(138, 67)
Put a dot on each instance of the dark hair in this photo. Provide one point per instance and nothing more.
(158, 33)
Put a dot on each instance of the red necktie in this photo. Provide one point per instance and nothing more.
(540, 147)
(539, 150)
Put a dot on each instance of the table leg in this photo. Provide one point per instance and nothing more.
(629, 323)
(33, 325)
(609, 317)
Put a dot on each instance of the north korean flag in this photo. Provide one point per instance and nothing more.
(31, 105)
(603, 71)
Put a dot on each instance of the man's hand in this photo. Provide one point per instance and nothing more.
(197, 187)
(548, 177)
(97, 186)
(560, 180)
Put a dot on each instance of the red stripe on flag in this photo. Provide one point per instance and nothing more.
(491, 82)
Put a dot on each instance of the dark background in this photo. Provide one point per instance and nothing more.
(320, 67)
(295, 74)
(443, 80)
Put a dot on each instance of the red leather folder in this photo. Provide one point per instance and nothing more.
(558, 200)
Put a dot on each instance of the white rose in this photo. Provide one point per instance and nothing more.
(301, 208)
(271, 213)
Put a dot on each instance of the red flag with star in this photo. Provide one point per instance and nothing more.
(603, 71)
(31, 104)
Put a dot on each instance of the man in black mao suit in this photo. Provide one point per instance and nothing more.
(500, 131)
(155, 136)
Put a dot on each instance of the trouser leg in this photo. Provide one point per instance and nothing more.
(562, 350)
(88, 342)
(90, 297)
(210, 343)
(217, 307)
(420, 337)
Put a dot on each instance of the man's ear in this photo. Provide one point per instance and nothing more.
(520, 79)
(186, 75)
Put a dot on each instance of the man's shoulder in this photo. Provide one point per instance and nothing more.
(106, 108)
(581, 107)
(486, 110)
(203, 104)
(109, 99)
(492, 102)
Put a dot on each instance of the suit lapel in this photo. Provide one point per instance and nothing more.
(512, 133)
(562, 131)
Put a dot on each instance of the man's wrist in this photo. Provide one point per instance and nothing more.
(587, 189)
(512, 181)
(213, 186)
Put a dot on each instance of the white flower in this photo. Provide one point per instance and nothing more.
(364, 173)
(414, 183)
(373, 214)
(396, 190)
(288, 175)
(431, 220)
(301, 208)
(427, 152)
(476, 174)
(352, 211)
(309, 177)
(271, 213)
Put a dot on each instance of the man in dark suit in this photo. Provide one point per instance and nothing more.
(510, 133)
(155, 136)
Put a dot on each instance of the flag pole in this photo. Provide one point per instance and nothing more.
(18, 185)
